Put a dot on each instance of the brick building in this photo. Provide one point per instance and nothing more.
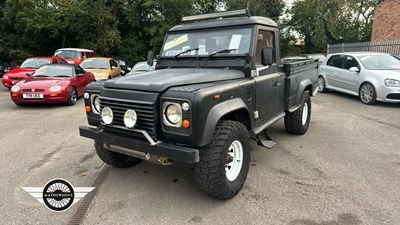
(386, 25)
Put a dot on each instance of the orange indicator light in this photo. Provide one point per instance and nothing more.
(88, 109)
(217, 97)
(186, 124)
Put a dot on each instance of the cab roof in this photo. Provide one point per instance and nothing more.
(75, 49)
(226, 22)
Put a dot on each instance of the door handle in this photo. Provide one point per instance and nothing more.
(276, 84)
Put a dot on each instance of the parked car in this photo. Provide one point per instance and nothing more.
(102, 68)
(125, 67)
(142, 67)
(52, 83)
(2, 71)
(217, 83)
(28, 66)
(371, 76)
(75, 55)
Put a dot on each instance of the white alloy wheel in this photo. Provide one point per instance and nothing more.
(235, 160)
(305, 114)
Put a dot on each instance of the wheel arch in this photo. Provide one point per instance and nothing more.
(233, 109)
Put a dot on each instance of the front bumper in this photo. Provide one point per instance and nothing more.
(171, 151)
(388, 94)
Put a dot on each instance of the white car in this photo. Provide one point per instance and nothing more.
(371, 76)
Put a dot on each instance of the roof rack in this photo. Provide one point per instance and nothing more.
(240, 12)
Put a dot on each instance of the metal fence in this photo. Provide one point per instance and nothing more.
(391, 47)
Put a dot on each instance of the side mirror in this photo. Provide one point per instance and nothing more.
(80, 74)
(150, 58)
(267, 56)
(113, 67)
(128, 68)
(354, 69)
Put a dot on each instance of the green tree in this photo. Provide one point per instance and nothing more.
(332, 21)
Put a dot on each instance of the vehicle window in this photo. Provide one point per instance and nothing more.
(264, 39)
(114, 63)
(60, 61)
(68, 54)
(34, 63)
(208, 42)
(79, 70)
(335, 61)
(380, 62)
(95, 64)
(141, 66)
(349, 62)
(53, 71)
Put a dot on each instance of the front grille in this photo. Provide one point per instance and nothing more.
(146, 114)
(33, 90)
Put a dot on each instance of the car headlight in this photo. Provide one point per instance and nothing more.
(392, 83)
(55, 88)
(107, 115)
(5, 77)
(15, 88)
(96, 103)
(172, 114)
(130, 118)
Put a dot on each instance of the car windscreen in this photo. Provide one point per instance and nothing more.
(95, 64)
(68, 54)
(207, 42)
(380, 62)
(34, 63)
(54, 71)
(143, 66)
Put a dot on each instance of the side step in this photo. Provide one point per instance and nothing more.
(263, 139)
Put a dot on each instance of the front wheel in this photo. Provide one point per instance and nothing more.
(367, 94)
(224, 163)
(297, 122)
(322, 85)
(72, 96)
(113, 158)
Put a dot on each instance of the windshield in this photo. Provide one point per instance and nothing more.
(54, 71)
(143, 66)
(95, 64)
(379, 62)
(34, 63)
(68, 54)
(207, 42)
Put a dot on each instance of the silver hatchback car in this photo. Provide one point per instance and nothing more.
(371, 76)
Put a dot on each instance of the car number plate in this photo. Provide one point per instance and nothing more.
(32, 95)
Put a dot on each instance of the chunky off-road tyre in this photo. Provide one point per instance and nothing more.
(113, 158)
(322, 85)
(224, 163)
(72, 96)
(297, 122)
(367, 94)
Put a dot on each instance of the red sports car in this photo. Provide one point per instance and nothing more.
(28, 66)
(52, 83)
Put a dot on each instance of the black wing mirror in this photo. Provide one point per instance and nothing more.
(267, 56)
(150, 58)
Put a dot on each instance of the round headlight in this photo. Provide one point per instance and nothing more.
(185, 106)
(15, 88)
(55, 88)
(173, 114)
(96, 103)
(5, 77)
(107, 115)
(86, 95)
(130, 118)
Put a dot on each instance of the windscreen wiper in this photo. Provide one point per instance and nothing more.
(227, 50)
(186, 51)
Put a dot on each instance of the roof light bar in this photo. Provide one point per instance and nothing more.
(240, 12)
